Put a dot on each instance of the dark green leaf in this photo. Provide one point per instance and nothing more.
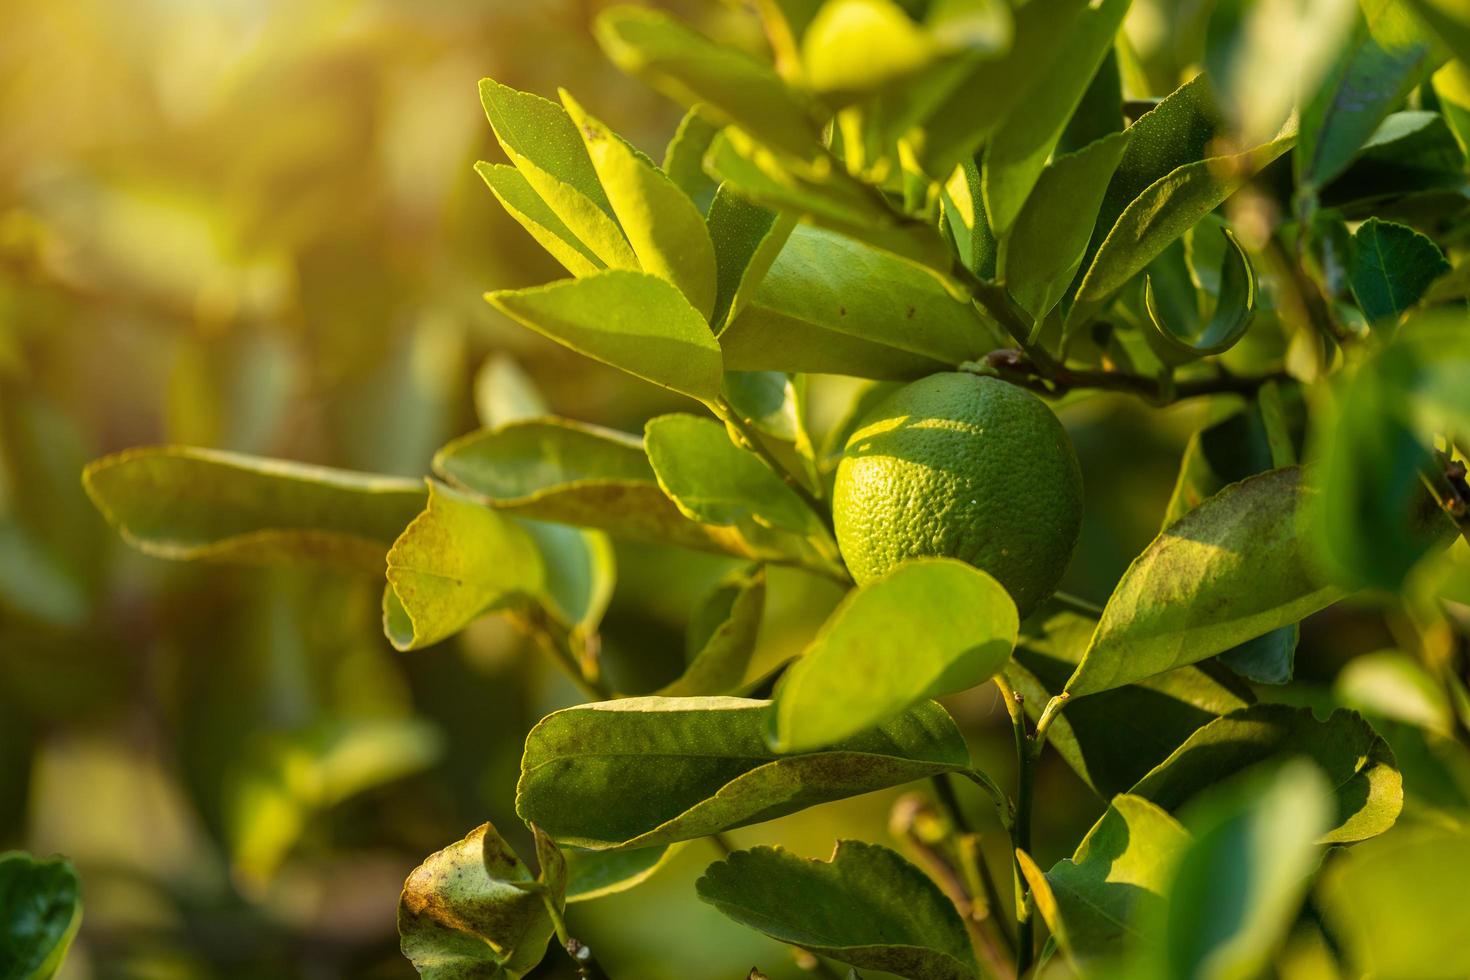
(181, 503)
(661, 223)
(1378, 521)
(993, 87)
(1016, 153)
(544, 145)
(1392, 267)
(1040, 258)
(458, 560)
(631, 320)
(1101, 110)
(1235, 568)
(867, 907)
(747, 240)
(1180, 340)
(1398, 903)
(1373, 74)
(963, 201)
(464, 915)
(40, 911)
(1237, 887)
(1113, 738)
(692, 69)
(639, 772)
(1106, 892)
(1367, 789)
(1240, 445)
(930, 627)
(684, 157)
(1161, 213)
(722, 636)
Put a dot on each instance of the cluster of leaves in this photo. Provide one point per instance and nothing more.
(921, 187)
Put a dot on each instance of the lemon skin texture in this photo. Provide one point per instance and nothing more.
(961, 466)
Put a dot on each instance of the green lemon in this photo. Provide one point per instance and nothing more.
(965, 467)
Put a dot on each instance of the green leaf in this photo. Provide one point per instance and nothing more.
(1398, 903)
(772, 402)
(580, 569)
(1264, 58)
(504, 393)
(1367, 788)
(1161, 213)
(1044, 248)
(597, 874)
(825, 195)
(1235, 568)
(713, 481)
(40, 912)
(522, 203)
(701, 766)
(963, 202)
(1113, 738)
(1179, 340)
(928, 628)
(1374, 73)
(573, 473)
(1240, 445)
(204, 504)
(1373, 440)
(1101, 111)
(631, 320)
(458, 560)
(1018, 151)
(543, 143)
(1237, 887)
(832, 305)
(722, 636)
(692, 69)
(747, 240)
(1103, 894)
(684, 157)
(465, 914)
(866, 907)
(992, 88)
(1392, 267)
(1390, 684)
(662, 224)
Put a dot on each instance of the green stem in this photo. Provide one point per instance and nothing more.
(556, 640)
(730, 416)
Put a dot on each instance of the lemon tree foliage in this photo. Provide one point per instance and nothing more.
(984, 212)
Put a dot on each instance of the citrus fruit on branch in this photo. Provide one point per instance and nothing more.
(967, 467)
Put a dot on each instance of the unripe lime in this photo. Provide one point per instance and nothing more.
(967, 467)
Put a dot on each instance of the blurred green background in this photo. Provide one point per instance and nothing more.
(253, 225)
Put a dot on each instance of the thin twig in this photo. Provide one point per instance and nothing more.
(1019, 368)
